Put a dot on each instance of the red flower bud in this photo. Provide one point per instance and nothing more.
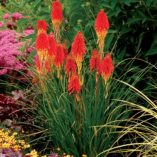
(107, 67)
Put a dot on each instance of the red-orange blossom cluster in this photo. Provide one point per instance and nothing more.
(52, 54)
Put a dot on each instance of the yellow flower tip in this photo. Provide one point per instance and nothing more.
(56, 23)
(40, 31)
(79, 66)
(43, 54)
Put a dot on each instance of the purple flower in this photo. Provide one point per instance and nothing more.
(6, 16)
(1, 24)
(17, 16)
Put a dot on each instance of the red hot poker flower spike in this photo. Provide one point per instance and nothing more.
(41, 26)
(57, 14)
(78, 50)
(70, 66)
(57, 18)
(52, 48)
(42, 46)
(101, 23)
(95, 61)
(78, 47)
(101, 27)
(74, 85)
(107, 67)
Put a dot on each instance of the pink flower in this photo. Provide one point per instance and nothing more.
(6, 16)
(9, 51)
(3, 71)
(1, 24)
(28, 32)
(30, 49)
(17, 16)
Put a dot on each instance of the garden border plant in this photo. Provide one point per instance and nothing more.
(98, 111)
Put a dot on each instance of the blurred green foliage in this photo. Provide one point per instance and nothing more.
(133, 24)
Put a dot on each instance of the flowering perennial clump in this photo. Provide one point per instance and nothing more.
(11, 57)
(53, 54)
(8, 141)
(11, 146)
(9, 50)
(10, 20)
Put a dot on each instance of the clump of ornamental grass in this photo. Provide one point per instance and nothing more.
(83, 110)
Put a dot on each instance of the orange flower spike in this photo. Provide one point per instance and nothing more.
(74, 86)
(78, 50)
(95, 61)
(41, 26)
(42, 46)
(57, 17)
(70, 66)
(101, 27)
(107, 67)
(52, 47)
(59, 58)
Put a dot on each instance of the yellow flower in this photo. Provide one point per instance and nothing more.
(33, 153)
(8, 140)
